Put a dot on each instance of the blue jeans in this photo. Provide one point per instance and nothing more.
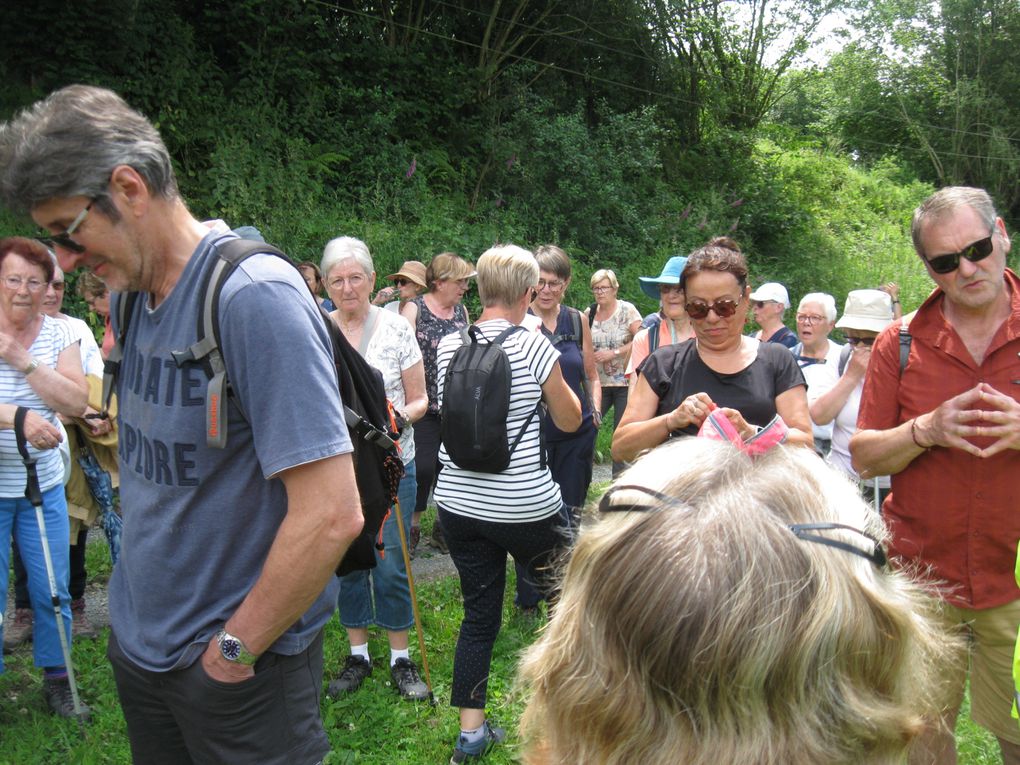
(17, 517)
(388, 580)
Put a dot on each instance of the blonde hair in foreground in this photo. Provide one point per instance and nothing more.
(707, 633)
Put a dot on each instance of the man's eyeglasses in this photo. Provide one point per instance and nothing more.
(723, 307)
(866, 341)
(16, 282)
(810, 319)
(979, 250)
(553, 286)
(64, 240)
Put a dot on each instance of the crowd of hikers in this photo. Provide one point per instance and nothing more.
(806, 553)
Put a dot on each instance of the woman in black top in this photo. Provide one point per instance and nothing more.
(680, 384)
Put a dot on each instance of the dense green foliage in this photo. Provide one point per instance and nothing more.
(626, 130)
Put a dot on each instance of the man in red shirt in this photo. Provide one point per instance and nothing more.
(946, 427)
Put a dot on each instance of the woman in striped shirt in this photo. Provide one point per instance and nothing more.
(40, 370)
(518, 511)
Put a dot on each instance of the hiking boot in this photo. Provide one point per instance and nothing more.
(438, 541)
(356, 669)
(407, 680)
(18, 630)
(58, 698)
(465, 752)
(415, 539)
(81, 627)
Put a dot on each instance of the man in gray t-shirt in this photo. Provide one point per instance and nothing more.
(226, 577)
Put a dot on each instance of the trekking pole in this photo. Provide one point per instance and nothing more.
(878, 502)
(34, 495)
(414, 602)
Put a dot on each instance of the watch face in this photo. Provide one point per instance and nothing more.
(230, 648)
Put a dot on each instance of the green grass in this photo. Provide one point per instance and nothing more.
(371, 726)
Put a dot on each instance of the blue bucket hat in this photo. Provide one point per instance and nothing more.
(670, 275)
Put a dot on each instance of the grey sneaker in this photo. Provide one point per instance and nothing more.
(58, 698)
(465, 752)
(407, 680)
(81, 627)
(17, 630)
(356, 669)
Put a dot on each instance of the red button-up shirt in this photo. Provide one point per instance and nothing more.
(952, 511)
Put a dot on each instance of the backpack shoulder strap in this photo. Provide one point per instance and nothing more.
(111, 366)
(206, 349)
(844, 358)
(575, 323)
(905, 341)
(653, 334)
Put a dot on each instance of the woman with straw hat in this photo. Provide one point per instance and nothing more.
(867, 313)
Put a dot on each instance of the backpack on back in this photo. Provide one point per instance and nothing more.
(476, 403)
(378, 467)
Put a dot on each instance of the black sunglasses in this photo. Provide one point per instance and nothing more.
(401, 282)
(855, 341)
(804, 531)
(979, 250)
(724, 308)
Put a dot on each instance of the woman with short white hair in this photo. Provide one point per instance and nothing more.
(817, 356)
(381, 595)
(486, 516)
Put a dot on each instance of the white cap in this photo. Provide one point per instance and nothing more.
(772, 291)
(868, 310)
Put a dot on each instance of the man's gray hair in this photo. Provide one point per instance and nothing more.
(947, 200)
(346, 248)
(68, 144)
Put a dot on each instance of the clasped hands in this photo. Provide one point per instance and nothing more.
(954, 421)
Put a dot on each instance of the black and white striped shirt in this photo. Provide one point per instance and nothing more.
(525, 491)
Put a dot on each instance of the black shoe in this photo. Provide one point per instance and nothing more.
(58, 698)
(465, 752)
(407, 680)
(356, 669)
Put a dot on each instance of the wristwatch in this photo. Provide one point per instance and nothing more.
(232, 649)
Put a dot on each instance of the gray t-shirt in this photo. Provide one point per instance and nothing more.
(198, 522)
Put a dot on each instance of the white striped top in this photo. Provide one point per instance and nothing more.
(525, 491)
(54, 336)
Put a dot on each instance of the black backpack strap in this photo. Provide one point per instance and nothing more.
(905, 340)
(653, 335)
(111, 365)
(206, 349)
